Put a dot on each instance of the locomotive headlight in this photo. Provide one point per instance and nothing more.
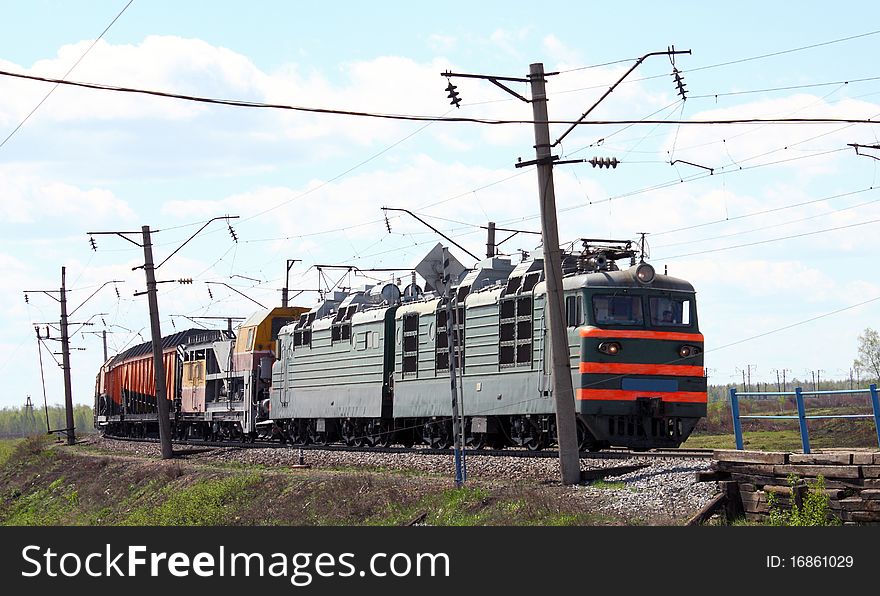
(687, 351)
(612, 348)
(645, 273)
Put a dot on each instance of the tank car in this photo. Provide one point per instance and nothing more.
(372, 368)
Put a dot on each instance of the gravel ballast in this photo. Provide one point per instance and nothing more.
(663, 491)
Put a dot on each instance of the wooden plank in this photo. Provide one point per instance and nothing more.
(745, 468)
(825, 471)
(753, 457)
(733, 506)
(871, 482)
(856, 504)
(711, 476)
(870, 494)
(860, 516)
(778, 490)
(599, 473)
(821, 458)
(708, 510)
(862, 458)
(756, 479)
(870, 471)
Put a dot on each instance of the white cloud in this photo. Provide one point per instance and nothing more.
(28, 198)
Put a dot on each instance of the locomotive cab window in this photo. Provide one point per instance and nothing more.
(670, 311)
(610, 309)
(574, 311)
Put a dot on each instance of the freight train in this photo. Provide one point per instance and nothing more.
(372, 367)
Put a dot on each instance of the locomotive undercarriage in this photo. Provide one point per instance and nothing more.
(533, 432)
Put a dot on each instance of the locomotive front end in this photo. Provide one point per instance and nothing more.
(641, 382)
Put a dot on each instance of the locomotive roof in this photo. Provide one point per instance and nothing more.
(623, 279)
(194, 335)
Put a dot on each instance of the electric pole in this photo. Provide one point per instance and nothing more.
(566, 421)
(65, 360)
(290, 263)
(457, 427)
(490, 240)
(566, 425)
(156, 338)
(162, 408)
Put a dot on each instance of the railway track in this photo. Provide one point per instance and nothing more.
(613, 453)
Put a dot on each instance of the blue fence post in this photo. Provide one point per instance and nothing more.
(875, 404)
(734, 410)
(802, 419)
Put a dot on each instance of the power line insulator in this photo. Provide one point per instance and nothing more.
(210, 295)
(454, 99)
(679, 82)
(27, 300)
(387, 223)
(185, 280)
(232, 233)
(93, 243)
(604, 162)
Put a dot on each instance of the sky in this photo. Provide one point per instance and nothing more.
(773, 223)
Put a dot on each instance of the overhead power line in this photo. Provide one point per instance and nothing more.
(416, 117)
(70, 70)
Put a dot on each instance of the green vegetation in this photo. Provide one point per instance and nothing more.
(7, 447)
(209, 502)
(814, 511)
(46, 483)
(25, 422)
(608, 484)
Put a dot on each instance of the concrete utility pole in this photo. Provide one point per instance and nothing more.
(156, 338)
(162, 407)
(566, 425)
(65, 360)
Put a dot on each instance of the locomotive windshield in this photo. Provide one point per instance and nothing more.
(669, 311)
(611, 309)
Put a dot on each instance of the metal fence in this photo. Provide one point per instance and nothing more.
(801, 416)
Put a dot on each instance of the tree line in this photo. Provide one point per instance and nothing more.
(27, 421)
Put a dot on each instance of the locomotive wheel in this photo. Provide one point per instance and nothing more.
(315, 436)
(347, 432)
(476, 440)
(380, 434)
(441, 437)
(533, 443)
(586, 440)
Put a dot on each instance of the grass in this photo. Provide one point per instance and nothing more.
(7, 448)
(210, 502)
(608, 484)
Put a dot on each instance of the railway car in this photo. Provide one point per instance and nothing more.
(372, 367)
(217, 382)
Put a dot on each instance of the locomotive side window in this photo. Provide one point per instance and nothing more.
(441, 338)
(611, 309)
(670, 311)
(574, 311)
(410, 344)
(515, 331)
